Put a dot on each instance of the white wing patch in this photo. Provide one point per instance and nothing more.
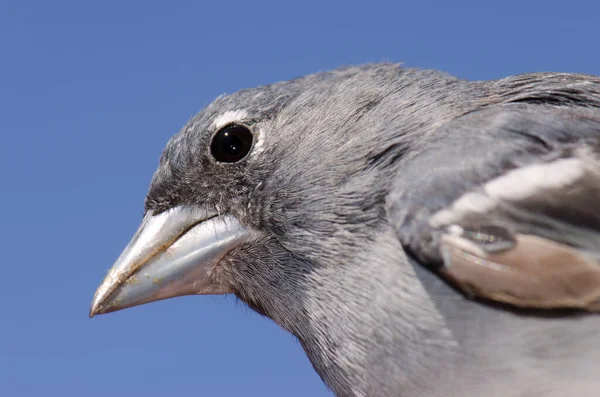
(230, 116)
(515, 185)
(471, 202)
(525, 182)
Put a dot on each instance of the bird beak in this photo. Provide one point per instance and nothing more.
(171, 254)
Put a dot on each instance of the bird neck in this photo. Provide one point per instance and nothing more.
(371, 327)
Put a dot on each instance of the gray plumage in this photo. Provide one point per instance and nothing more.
(352, 166)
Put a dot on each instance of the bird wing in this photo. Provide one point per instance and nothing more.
(504, 203)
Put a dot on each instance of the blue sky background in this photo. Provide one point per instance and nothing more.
(89, 94)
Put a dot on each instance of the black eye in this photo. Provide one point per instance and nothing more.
(231, 144)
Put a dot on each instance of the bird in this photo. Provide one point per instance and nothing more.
(421, 235)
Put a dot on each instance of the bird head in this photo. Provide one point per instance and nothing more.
(277, 195)
(248, 194)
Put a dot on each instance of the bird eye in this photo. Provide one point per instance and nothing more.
(231, 144)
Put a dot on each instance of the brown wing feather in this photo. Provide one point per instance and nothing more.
(535, 272)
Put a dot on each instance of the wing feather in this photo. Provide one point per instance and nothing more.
(506, 217)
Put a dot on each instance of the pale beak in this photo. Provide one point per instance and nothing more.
(172, 254)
